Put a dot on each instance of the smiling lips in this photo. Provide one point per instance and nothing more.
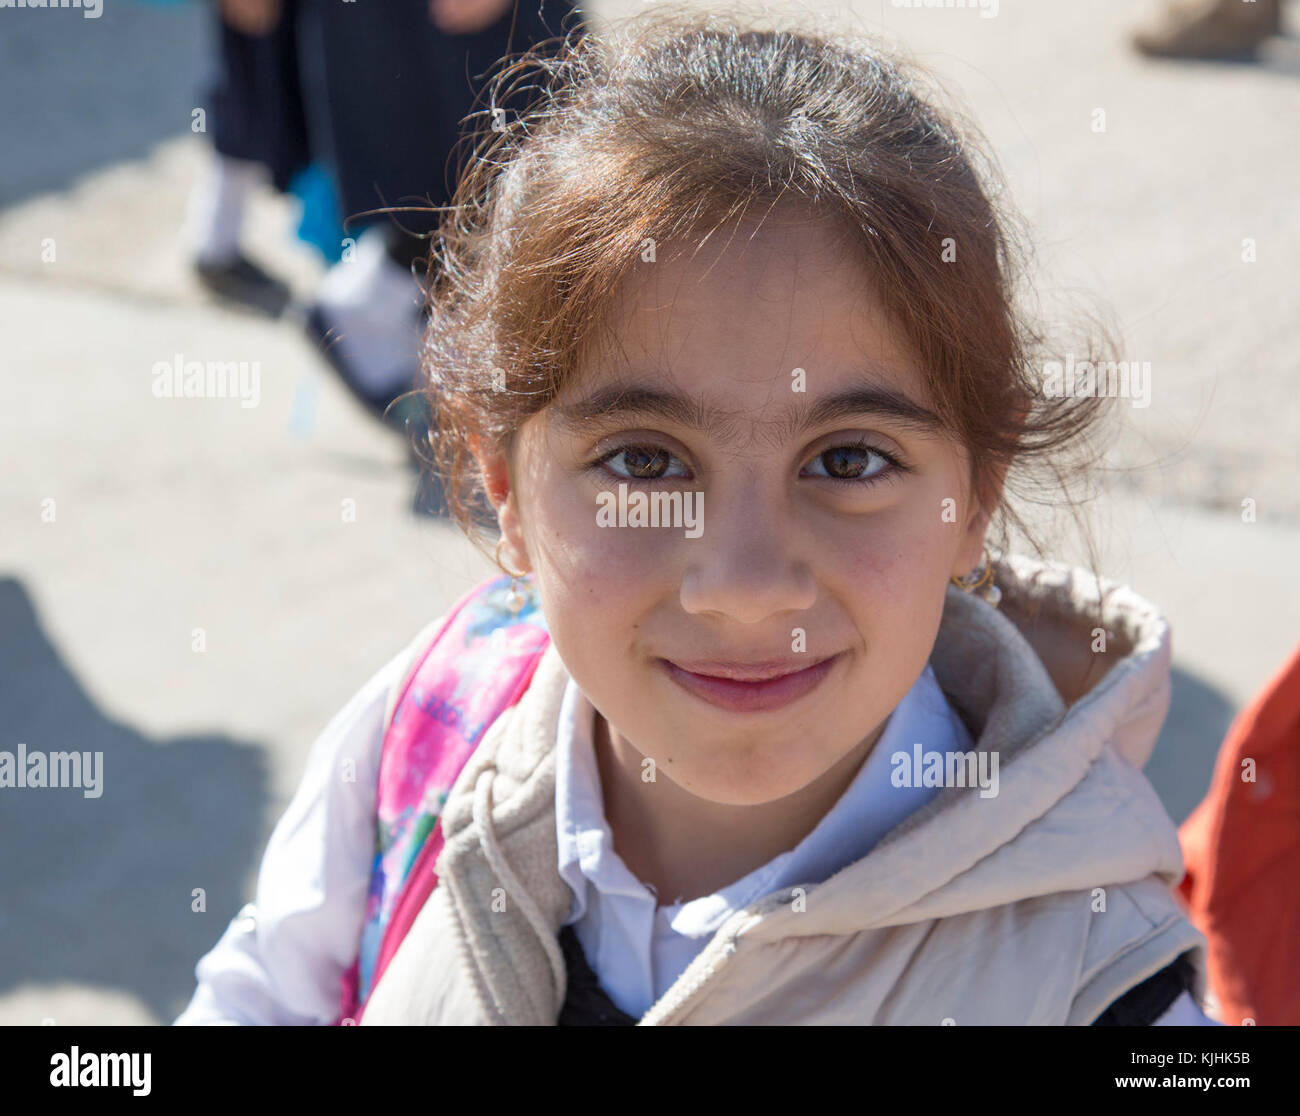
(749, 687)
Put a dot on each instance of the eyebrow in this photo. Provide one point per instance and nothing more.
(613, 403)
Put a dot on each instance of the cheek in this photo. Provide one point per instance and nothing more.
(890, 576)
(895, 600)
(599, 562)
(897, 559)
(597, 585)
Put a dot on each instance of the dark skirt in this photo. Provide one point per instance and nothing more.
(254, 97)
(374, 93)
(388, 95)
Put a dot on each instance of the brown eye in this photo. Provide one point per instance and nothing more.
(855, 461)
(846, 462)
(645, 463)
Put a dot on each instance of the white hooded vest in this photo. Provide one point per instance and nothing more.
(1042, 905)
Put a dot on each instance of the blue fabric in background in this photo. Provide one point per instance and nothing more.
(319, 224)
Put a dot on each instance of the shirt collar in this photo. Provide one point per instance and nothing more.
(868, 809)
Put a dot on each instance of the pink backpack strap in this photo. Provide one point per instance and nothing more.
(478, 663)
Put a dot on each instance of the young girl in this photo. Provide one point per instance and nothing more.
(754, 730)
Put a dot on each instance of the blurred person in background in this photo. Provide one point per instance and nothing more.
(1210, 28)
(315, 84)
(1241, 847)
(259, 132)
(413, 68)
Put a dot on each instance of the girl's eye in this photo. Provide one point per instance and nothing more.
(856, 462)
(642, 462)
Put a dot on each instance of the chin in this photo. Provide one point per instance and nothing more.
(735, 785)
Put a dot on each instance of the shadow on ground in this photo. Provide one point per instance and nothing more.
(85, 93)
(98, 891)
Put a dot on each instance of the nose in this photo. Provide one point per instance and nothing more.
(748, 563)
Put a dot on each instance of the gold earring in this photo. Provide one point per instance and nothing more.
(514, 599)
(981, 581)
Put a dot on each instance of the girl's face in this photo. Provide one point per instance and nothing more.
(762, 383)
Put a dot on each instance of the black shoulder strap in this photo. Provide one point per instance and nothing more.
(1144, 1003)
(585, 1002)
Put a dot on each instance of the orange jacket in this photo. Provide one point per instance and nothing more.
(1241, 846)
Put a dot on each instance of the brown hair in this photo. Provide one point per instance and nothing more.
(674, 126)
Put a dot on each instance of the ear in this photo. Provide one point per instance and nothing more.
(494, 468)
(970, 552)
(971, 549)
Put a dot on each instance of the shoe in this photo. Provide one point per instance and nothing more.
(327, 337)
(241, 281)
(1210, 29)
(368, 317)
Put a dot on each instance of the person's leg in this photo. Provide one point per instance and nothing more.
(397, 90)
(1210, 28)
(370, 109)
(217, 203)
(367, 314)
(257, 133)
(215, 215)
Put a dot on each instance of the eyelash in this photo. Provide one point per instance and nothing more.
(891, 472)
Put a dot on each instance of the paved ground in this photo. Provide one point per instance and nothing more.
(176, 515)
